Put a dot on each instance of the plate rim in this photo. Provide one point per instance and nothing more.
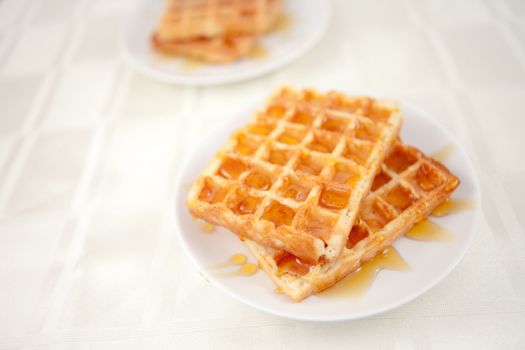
(418, 292)
(258, 70)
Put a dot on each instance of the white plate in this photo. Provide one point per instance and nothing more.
(429, 262)
(307, 24)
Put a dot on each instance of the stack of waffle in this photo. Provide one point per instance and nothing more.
(316, 184)
(216, 31)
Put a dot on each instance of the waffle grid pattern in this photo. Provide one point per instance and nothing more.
(185, 20)
(299, 171)
(409, 186)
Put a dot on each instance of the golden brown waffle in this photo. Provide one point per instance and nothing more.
(215, 50)
(189, 19)
(409, 186)
(294, 177)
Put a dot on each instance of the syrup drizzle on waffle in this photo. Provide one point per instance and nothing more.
(295, 174)
(406, 189)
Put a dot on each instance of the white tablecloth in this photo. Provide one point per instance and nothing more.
(89, 150)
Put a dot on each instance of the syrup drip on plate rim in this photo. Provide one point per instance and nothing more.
(358, 282)
(443, 153)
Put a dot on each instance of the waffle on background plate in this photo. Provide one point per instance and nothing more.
(217, 31)
(294, 177)
(406, 190)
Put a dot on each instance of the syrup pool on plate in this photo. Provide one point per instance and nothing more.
(453, 206)
(284, 22)
(358, 282)
(244, 268)
(428, 230)
(207, 228)
(258, 53)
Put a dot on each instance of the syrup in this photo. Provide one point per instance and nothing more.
(344, 175)
(231, 169)
(296, 192)
(207, 228)
(244, 146)
(288, 263)
(366, 132)
(235, 259)
(399, 160)
(357, 153)
(260, 129)
(245, 268)
(443, 153)
(427, 230)
(303, 118)
(279, 214)
(400, 197)
(189, 64)
(453, 206)
(322, 145)
(356, 234)
(358, 282)
(244, 149)
(259, 181)
(288, 139)
(212, 193)
(258, 53)
(284, 22)
(319, 227)
(278, 157)
(319, 147)
(308, 165)
(427, 178)
(379, 113)
(333, 198)
(380, 180)
(276, 111)
(248, 205)
(334, 125)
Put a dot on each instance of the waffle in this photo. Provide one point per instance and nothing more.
(294, 177)
(215, 49)
(405, 191)
(189, 19)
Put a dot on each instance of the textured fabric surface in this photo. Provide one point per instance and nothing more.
(89, 150)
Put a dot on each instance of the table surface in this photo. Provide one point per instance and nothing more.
(89, 150)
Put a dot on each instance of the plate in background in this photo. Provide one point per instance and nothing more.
(429, 262)
(303, 28)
